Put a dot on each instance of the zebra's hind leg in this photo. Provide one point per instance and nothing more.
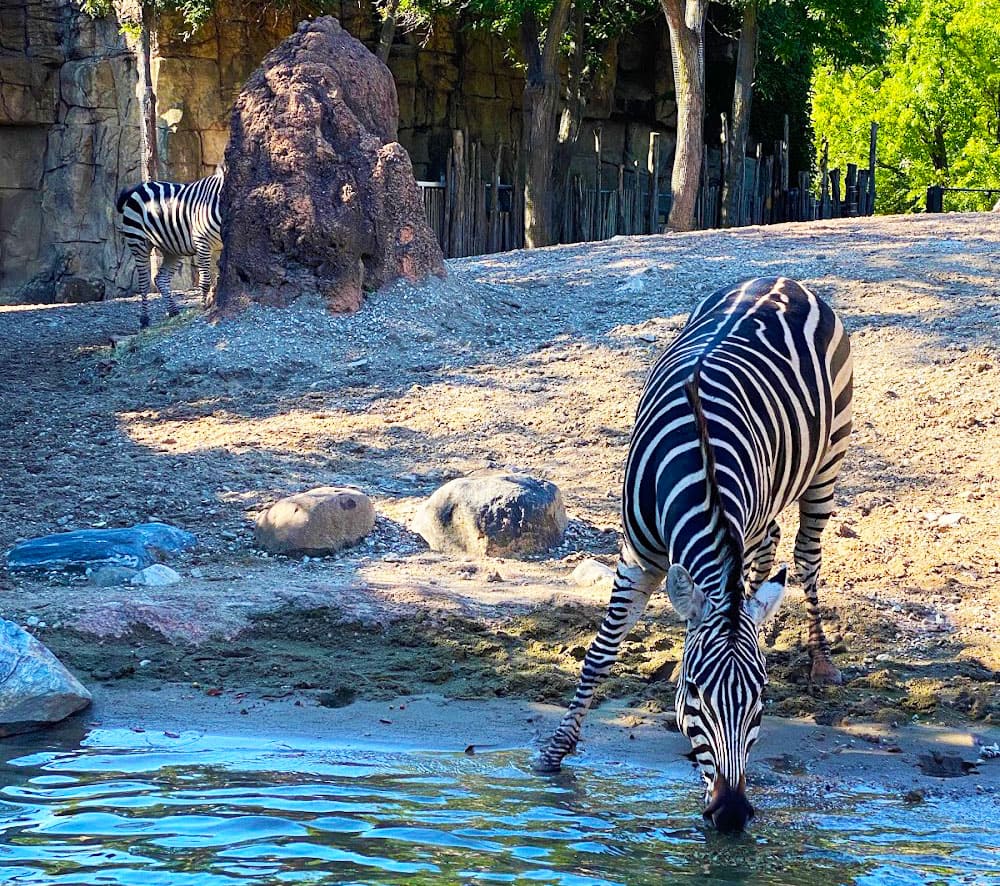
(632, 589)
(163, 278)
(140, 253)
(815, 508)
(204, 262)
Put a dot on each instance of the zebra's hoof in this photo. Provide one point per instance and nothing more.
(544, 766)
(825, 674)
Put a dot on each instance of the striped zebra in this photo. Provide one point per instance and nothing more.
(178, 220)
(748, 410)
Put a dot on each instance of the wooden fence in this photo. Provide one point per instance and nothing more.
(473, 212)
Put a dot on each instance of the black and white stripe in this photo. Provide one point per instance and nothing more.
(747, 411)
(178, 220)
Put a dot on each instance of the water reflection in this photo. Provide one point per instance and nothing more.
(140, 810)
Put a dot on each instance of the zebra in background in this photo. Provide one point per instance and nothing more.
(178, 220)
(748, 410)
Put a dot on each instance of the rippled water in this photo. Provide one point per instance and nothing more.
(144, 809)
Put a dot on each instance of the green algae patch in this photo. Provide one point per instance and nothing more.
(534, 656)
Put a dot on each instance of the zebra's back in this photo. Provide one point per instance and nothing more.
(775, 375)
(172, 217)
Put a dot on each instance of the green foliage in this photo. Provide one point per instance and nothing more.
(936, 99)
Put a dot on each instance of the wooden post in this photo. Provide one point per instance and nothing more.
(824, 193)
(620, 214)
(836, 210)
(493, 244)
(784, 157)
(935, 198)
(598, 215)
(851, 190)
(870, 202)
(654, 182)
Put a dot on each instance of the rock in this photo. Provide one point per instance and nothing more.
(319, 521)
(320, 198)
(77, 290)
(493, 513)
(110, 576)
(136, 547)
(155, 576)
(944, 765)
(592, 572)
(35, 687)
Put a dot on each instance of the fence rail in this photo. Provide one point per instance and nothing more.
(473, 212)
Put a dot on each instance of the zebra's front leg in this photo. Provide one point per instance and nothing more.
(815, 508)
(763, 558)
(632, 589)
(163, 279)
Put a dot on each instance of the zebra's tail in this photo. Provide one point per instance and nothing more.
(123, 196)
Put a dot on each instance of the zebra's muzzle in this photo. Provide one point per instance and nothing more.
(728, 809)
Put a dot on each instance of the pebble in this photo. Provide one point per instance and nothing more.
(156, 576)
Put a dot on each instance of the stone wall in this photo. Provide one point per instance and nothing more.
(68, 141)
(69, 119)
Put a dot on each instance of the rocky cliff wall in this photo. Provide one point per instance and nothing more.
(69, 120)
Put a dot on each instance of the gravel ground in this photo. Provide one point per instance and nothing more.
(531, 359)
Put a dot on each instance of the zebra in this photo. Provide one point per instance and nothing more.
(178, 220)
(747, 411)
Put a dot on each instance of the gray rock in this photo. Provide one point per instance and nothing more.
(35, 687)
(156, 576)
(493, 513)
(320, 521)
(110, 576)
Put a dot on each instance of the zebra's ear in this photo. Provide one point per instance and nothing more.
(686, 597)
(765, 602)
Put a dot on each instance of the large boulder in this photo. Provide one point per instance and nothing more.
(35, 687)
(135, 547)
(493, 513)
(320, 521)
(320, 199)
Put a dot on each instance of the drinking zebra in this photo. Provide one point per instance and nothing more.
(748, 410)
(178, 220)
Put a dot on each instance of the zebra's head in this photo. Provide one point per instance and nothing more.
(719, 695)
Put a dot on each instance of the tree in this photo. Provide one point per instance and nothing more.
(137, 21)
(840, 32)
(936, 99)
(686, 23)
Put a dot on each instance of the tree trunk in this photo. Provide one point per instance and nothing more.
(686, 23)
(388, 30)
(149, 160)
(746, 67)
(541, 107)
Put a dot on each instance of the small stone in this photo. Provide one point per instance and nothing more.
(589, 573)
(947, 520)
(110, 576)
(156, 576)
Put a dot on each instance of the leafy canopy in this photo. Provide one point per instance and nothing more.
(936, 99)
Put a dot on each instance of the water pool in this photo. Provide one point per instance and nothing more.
(142, 809)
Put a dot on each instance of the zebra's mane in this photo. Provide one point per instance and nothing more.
(731, 555)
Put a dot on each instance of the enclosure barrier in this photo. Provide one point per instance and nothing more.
(935, 196)
(473, 212)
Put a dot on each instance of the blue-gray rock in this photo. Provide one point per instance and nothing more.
(35, 687)
(136, 547)
(111, 576)
(493, 513)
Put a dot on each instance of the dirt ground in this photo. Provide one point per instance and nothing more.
(531, 359)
